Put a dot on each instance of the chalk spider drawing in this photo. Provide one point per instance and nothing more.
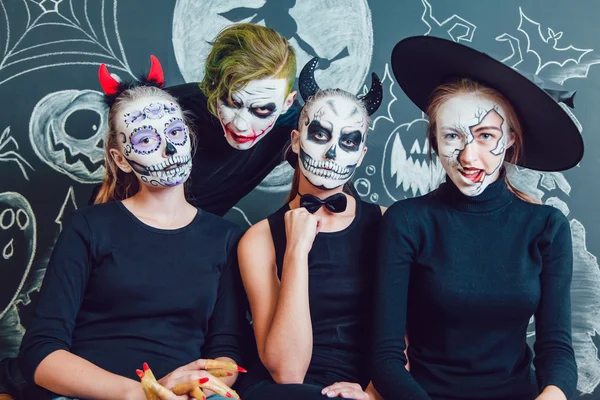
(7, 155)
(83, 46)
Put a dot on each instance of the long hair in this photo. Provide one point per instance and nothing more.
(321, 94)
(118, 185)
(242, 53)
(446, 91)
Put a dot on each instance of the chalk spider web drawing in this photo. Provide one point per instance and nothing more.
(80, 45)
(7, 154)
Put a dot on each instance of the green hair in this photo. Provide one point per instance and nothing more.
(242, 53)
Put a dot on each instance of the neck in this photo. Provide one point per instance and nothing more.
(164, 202)
(305, 187)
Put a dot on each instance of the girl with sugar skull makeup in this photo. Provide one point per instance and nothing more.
(306, 267)
(141, 276)
(463, 269)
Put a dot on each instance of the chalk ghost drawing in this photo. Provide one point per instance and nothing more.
(80, 159)
(24, 47)
(17, 250)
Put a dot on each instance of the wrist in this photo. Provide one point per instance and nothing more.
(133, 390)
(297, 252)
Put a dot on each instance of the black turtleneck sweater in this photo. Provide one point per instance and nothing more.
(462, 276)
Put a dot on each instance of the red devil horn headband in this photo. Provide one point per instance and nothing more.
(110, 85)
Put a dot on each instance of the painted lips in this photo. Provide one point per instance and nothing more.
(240, 138)
(473, 175)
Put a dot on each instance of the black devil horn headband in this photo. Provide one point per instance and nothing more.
(113, 88)
(308, 87)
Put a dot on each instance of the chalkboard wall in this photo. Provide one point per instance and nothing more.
(52, 119)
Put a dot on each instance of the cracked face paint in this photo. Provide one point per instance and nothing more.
(472, 138)
(154, 140)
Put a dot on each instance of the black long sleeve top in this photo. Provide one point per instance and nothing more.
(118, 293)
(462, 276)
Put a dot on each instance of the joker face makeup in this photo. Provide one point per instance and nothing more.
(332, 141)
(253, 111)
(155, 141)
(472, 138)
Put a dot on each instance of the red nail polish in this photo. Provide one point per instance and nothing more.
(203, 380)
(229, 395)
(140, 373)
(240, 369)
(229, 373)
(146, 367)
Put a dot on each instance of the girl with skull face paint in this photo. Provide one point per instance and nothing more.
(141, 276)
(462, 269)
(305, 268)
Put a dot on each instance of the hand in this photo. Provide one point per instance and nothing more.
(301, 228)
(195, 371)
(346, 390)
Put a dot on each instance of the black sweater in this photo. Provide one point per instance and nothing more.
(462, 276)
(118, 293)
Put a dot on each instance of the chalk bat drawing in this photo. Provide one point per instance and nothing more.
(80, 159)
(82, 44)
(7, 154)
(17, 250)
(551, 60)
(339, 32)
(454, 27)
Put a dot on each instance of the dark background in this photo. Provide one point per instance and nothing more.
(50, 147)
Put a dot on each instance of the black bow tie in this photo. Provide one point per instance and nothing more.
(335, 203)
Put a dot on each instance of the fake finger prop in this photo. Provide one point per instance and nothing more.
(191, 388)
(223, 365)
(152, 389)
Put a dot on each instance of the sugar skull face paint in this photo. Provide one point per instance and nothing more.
(253, 111)
(155, 142)
(472, 138)
(332, 141)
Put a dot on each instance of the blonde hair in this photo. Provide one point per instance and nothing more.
(321, 94)
(242, 53)
(119, 185)
(446, 91)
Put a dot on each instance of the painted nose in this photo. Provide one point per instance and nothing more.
(239, 123)
(468, 155)
(170, 149)
(331, 153)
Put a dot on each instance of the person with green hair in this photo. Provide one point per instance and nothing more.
(243, 112)
(237, 114)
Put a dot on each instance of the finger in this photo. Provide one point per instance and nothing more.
(198, 394)
(227, 365)
(158, 390)
(187, 387)
(346, 392)
(194, 365)
(340, 386)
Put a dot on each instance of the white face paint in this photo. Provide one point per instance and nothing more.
(155, 141)
(472, 138)
(332, 141)
(254, 111)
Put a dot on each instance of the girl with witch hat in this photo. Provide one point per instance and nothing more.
(306, 268)
(143, 276)
(461, 270)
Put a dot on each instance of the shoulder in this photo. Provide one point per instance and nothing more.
(411, 206)
(256, 233)
(186, 91)
(546, 214)
(219, 226)
(97, 214)
(256, 242)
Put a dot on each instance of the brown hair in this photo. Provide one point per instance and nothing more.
(118, 185)
(464, 85)
(321, 94)
(242, 53)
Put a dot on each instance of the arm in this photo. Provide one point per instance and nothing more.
(224, 336)
(396, 252)
(554, 358)
(44, 356)
(280, 310)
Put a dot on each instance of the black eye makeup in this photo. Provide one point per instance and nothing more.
(264, 111)
(351, 141)
(317, 133)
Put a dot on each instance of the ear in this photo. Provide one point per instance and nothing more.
(295, 141)
(511, 140)
(120, 160)
(362, 157)
(289, 100)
